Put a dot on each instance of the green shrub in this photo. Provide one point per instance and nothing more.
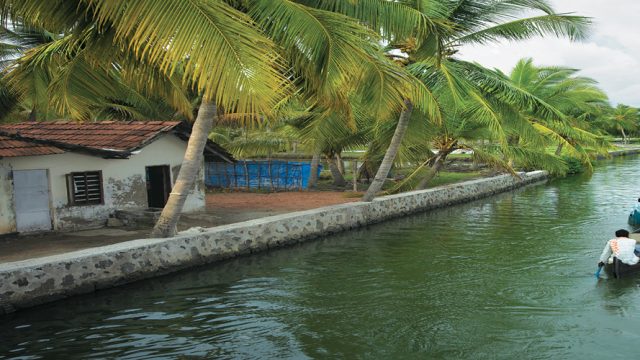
(325, 175)
(575, 165)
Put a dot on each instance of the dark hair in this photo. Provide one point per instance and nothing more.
(622, 233)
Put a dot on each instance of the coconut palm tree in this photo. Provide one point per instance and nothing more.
(330, 54)
(623, 117)
(219, 49)
(328, 134)
(459, 135)
(15, 40)
(468, 121)
(576, 97)
(240, 55)
(562, 101)
(470, 22)
(483, 103)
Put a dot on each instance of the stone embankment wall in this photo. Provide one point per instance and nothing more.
(31, 282)
(624, 152)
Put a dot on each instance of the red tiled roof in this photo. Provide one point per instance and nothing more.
(10, 148)
(119, 136)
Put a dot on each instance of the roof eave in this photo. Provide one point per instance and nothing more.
(107, 154)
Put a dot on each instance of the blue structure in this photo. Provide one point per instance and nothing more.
(257, 175)
(634, 217)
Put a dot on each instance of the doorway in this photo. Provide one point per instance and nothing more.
(31, 200)
(158, 185)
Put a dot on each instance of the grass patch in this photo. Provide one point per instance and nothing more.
(350, 155)
(446, 177)
(459, 156)
(443, 178)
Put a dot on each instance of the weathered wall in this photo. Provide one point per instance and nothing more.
(7, 213)
(31, 282)
(124, 183)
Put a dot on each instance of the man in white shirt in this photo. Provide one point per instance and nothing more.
(621, 247)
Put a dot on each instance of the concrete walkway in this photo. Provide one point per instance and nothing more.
(223, 209)
(30, 246)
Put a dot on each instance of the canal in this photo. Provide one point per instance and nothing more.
(505, 277)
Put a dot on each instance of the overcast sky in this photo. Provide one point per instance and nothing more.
(611, 55)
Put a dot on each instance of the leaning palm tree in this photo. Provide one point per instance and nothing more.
(575, 96)
(240, 56)
(218, 49)
(329, 53)
(624, 117)
(471, 22)
(466, 124)
(326, 133)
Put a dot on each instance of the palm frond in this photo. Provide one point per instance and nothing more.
(57, 16)
(560, 25)
(507, 91)
(537, 158)
(327, 50)
(392, 19)
(492, 159)
(388, 85)
(219, 49)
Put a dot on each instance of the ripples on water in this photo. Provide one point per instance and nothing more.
(506, 277)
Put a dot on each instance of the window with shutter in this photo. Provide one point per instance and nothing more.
(85, 188)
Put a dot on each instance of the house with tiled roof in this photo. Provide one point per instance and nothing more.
(69, 176)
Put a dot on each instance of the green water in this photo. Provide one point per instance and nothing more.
(500, 278)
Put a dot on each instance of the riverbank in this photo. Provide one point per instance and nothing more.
(222, 209)
(38, 280)
(31, 282)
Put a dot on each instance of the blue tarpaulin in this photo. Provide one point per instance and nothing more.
(268, 175)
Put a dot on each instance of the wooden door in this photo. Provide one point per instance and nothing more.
(31, 200)
(158, 185)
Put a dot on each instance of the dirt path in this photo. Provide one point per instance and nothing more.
(227, 208)
(222, 208)
(282, 201)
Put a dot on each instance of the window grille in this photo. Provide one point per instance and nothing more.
(85, 188)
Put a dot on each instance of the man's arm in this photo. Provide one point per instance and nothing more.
(606, 253)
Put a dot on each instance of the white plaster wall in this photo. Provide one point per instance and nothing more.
(124, 183)
(7, 214)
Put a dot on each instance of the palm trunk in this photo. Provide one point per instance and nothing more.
(559, 149)
(338, 179)
(193, 156)
(432, 171)
(624, 136)
(33, 115)
(511, 140)
(354, 172)
(390, 155)
(313, 175)
(340, 163)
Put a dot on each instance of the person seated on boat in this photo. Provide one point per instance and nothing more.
(622, 248)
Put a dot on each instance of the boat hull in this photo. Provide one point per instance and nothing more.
(618, 269)
(634, 218)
